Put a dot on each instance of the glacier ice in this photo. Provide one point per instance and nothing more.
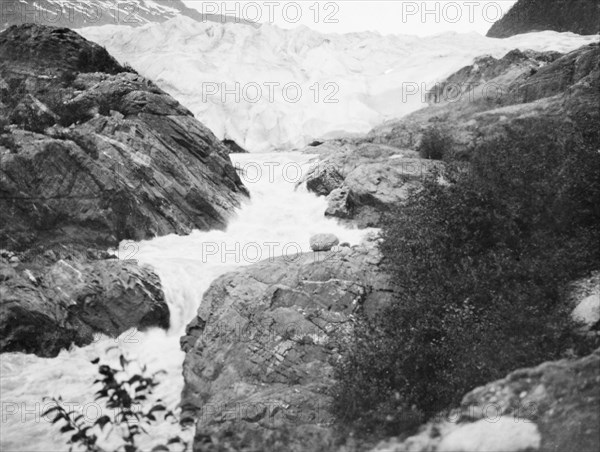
(294, 86)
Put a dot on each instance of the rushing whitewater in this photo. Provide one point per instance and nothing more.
(279, 220)
(369, 73)
(269, 88)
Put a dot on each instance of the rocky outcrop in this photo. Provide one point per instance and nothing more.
(324, 179)
(526, 16)
(259, 355)
(485, 98)
(60, 296)
(114, 158)
(323, 242)
(362, 181)
(364, 177)
(92, 154)
(552, 407)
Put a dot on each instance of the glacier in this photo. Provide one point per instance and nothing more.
(294, 86)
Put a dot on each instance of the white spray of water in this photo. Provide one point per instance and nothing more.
(278, 220)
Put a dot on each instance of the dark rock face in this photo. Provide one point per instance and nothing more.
(554, 406)
(260, 352)
(58, 297)
(107, 157)
(78, 14)
(324, 180)
(47, 49)
(577, 16)
(91, 154)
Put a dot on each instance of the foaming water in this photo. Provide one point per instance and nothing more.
(278, 220)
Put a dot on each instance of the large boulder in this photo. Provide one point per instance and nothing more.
(526, 16)
(324, 179)
(260, 353)
(58, 298)
(552, 407)
(339, 204)
(122, 159)
(374, 188)
(363, 181)
(323, 242)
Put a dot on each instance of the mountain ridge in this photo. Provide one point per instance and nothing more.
(78, 14)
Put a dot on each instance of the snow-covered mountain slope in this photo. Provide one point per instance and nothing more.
(348, 83)
(86, 13)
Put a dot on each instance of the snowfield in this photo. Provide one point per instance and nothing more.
(268, 88)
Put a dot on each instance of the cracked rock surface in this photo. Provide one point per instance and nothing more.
(259, 353)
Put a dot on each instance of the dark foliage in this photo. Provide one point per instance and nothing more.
(8, 141)
(481, 263)
(435, 143)
(6, 138)
(128, 68)
(67, 78)
(72, 113)
(96, 59)
(78, 112)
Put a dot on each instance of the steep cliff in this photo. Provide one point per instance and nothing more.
(92, 154)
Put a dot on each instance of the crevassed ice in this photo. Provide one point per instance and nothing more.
(348, 83)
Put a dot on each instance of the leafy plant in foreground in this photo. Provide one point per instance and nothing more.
(126, 396)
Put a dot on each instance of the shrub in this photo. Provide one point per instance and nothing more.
(435, 142)
(125, 395)
(481, 264)
(128, 68)
(97, 59)
(28, 116)
(67, 78)
(8, 141)
(72, 112)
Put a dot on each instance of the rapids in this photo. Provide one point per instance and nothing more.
(278, 220)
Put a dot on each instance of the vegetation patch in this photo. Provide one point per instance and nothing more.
(436, 142)
(481, 263)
